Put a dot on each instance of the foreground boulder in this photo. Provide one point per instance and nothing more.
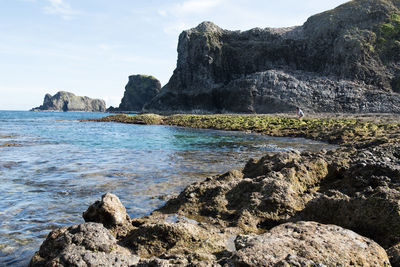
(308, 244)
(88, 244)
(65, 101)
(342, 60)
(111, 213)
(139, 90)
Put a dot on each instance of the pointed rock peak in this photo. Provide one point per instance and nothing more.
(208, 26)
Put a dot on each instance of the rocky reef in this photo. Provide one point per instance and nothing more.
(342, 60)
(139, 90)
(66, 101)
(329, 208)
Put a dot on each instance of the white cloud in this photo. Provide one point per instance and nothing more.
(197, 6)
(61, 8)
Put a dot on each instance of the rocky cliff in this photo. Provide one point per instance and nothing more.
(139, 90)
(65, 101)
(343, 60)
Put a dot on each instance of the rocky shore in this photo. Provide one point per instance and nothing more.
(330, 208)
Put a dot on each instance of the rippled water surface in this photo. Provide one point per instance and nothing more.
(52, 167)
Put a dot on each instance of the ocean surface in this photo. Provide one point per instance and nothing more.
(52, 167)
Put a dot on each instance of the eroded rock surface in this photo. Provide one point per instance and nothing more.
(88, 244)
(355, 189)
(66, 101)
(308, 244)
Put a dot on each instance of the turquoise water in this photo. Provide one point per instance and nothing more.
(57, 166)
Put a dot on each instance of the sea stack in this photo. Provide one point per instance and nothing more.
(342, 60)
(139, 90)
(66, 101)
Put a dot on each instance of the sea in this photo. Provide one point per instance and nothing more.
(52, 167)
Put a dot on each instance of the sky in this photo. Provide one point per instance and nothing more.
(90, 47)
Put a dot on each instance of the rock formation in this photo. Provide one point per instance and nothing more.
(65, 101)
(343, 60)
(284, 246)
(139, 90)
(111, 213)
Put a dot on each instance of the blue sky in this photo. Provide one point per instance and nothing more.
(90, 47)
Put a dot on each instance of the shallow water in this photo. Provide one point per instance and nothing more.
(52, 167)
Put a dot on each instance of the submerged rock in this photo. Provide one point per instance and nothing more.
(65, 101)
(308, 244)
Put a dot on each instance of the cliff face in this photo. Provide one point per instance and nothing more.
(139, 90)
(343, 60)
(65, 101)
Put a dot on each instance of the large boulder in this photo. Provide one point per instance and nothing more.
(139, 90)
(308, 244)
(66, 101)
(342, 60)
(88, 244)
(111, 213)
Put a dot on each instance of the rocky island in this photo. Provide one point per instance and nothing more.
(66, 101)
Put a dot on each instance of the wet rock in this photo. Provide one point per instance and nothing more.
(87, 244)
(308, 244)
(111, 213)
